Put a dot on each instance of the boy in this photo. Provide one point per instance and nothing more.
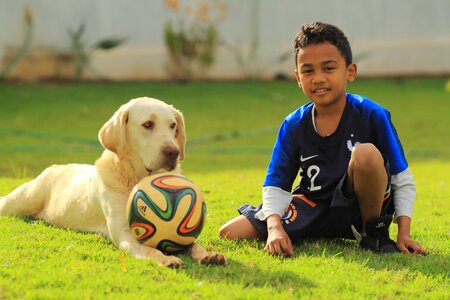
(352, 166)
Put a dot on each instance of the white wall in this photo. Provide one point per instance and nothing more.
(403, 37)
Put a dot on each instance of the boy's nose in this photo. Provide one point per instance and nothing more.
(318, 78)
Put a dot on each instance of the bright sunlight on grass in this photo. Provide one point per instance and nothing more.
(231, 128)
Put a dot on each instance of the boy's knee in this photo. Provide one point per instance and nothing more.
(223, 231)
(238, 228)
(227, 232)
(366, 157)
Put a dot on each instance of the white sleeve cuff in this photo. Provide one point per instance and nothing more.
(404, 190)
(275, 202)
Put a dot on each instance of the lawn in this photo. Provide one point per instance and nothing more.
(231, 128)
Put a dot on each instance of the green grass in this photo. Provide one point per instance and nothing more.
(231, 128)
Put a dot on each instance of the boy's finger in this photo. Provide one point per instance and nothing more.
(268, 248)
(419, 250)
(403, 248)
(291, 248)
(423, 251)
(271, 248)
(275, 248)
(287, 248)
(413, 248)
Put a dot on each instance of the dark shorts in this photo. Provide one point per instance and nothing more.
(307, 219)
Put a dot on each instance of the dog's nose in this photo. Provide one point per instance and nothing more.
(170, 152)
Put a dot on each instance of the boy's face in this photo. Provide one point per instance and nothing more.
(322, 73)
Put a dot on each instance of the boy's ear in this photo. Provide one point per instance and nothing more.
(297, 77)
(351, 72)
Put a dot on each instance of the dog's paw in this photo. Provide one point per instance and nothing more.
(213, 258)
(171, 262)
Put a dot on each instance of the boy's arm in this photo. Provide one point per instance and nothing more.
(275, 203)
(404, 196)
(278, 242)
(404, 190)
(404, 241)
(281, 173)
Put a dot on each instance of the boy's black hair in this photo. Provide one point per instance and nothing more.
(317, 33)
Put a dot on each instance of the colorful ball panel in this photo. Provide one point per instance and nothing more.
(166, 211)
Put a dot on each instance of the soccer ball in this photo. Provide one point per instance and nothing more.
(166, 211)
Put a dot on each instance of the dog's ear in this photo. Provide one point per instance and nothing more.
(181, 132)
(112, 135)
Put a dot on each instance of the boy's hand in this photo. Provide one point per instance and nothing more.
(409, 246)
(404, 241)
(278, 242)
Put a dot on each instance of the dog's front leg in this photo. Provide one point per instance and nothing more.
(119, 232)
(199, 254)
(128, 243)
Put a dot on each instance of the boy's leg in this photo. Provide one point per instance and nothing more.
(239, 228)
(367, 179)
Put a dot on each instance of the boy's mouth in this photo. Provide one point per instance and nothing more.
(321, 90)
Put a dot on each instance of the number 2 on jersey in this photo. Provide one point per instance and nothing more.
(312, 173)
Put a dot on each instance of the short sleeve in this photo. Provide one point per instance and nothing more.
(284, 164)
(388, 142)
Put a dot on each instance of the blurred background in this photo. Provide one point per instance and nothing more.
(185, 40)
(66, 66)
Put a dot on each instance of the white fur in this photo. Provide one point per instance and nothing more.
(93, 197)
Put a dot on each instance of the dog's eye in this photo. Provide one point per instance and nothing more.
(173, 125)
(148, 125)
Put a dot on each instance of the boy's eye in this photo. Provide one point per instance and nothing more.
(307, 71)
(329, 69)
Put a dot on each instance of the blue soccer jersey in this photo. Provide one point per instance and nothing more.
(323, 161)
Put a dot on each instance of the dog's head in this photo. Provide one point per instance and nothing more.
(148, 132)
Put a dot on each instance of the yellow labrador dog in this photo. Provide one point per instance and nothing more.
(143, 137)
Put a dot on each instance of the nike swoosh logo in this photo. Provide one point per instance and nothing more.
(303, 159)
